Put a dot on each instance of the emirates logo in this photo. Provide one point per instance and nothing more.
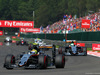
(0, 24)
(85, 23)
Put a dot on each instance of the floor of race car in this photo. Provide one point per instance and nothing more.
(67, 53)
(75, 65)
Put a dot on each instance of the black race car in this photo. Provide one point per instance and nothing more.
(32, 45)
(73, 49)
(8, 39)
(39, 60)
(22, 42)
(42, 46)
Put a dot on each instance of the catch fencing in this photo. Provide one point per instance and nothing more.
(80, 36)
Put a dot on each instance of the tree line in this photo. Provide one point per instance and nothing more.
(45, 11)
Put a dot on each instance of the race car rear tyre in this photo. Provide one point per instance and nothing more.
(26, 44)
(60, 50)
(85, 51)
(42, 61)
(10, 41)
(66, 49)
(5, 41)
(30, 47)
(54, 51)
(9, 60)
(60, 61)
(17, 43)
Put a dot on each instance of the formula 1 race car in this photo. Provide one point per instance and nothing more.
(39, 41)
(73, 49)
(31, 46)
(8, 39)
(42, 46)
(33, 60)
(22, 42)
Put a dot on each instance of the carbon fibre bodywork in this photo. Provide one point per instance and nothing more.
(39, 60)
(74, 50)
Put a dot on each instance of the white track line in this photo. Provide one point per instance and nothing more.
(93, 55)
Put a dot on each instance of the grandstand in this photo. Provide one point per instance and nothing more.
(74, 24)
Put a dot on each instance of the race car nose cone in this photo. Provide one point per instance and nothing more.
(7, 44)
(20, 65)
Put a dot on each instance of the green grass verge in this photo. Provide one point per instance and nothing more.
(31, 42)
(89, 49)
(57, 46)
(2, 37)
(15, 39)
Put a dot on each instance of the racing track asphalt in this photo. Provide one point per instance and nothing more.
(76, 65)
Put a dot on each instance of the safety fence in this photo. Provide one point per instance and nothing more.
(81, 36)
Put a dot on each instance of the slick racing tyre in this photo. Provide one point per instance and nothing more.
(85, 51)
(17, 43)
(30, 46)
(42, 61)
(9, 60)
(60, 61)
(26, 43)
(60, 50)
(10, 41)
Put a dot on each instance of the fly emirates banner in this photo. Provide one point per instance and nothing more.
(34, 30)
(17, 24)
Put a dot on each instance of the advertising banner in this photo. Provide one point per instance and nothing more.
(13, 41)
(81, 44)
(1, 33)
(85, 24)
(34, 30)
(13, 37)
(95, 46)
(1, 43)
(4, 23)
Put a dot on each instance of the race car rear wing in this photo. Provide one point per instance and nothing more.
(46, 46)
(69, 41)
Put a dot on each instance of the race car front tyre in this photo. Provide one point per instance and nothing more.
(42, 61)
(60, 61)
(9, 60)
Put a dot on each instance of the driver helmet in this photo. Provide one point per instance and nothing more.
(34, 51)
(72, 43)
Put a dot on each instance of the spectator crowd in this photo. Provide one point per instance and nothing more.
(70, 23)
